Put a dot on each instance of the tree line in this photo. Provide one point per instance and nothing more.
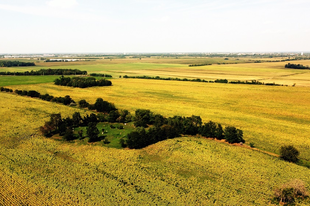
(159, 127)
(5, 63)
(47, 72)
(81, 82)
(100, 75)
(296, 66)
(66, 100)
(225, 81)
(150, 127)
(100, 105)
(198, 65)
(167, 128)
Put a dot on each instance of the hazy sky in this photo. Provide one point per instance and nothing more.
(66, 26)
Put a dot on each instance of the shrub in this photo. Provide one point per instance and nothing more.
(288, 192)
(289, 153)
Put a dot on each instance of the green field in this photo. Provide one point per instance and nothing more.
(182, 171)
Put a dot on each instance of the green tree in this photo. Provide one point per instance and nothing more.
(142, 118)
(77, 119)
(219, 133)
(159, 120)
(233, 135)
(54, 121)
(92, 132)
(69, 134)
(137, 139)
(83, 103)
(113, 115)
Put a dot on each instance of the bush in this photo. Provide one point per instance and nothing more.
(288, 192)
(289, 153)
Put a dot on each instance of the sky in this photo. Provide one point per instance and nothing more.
(146, 26)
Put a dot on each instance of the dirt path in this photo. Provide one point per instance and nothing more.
(244, 146)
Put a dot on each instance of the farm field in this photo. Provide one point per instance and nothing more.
(269, 116)
(182, 171)
(267, 72)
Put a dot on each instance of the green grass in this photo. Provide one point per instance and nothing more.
(111, 135)
(22, 80)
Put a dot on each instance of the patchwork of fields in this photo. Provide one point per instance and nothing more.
(182, 171)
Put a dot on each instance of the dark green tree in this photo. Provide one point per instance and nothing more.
(159, 120)
(92, 132)
(219, 133)
(289, 153)
(55, 119)
(113, 116)
(83, 103)
(77, 119)
(69, 134)
(142, 118)
(233, 135)
(137, 139)
(93, 117)
(208, 129)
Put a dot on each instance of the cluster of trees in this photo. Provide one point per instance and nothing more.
(225, 81)
(81, 82)
(47, 72)
(197, 65)
(15, 64)
(296, 66)
(100, 75)
(66, 100)
(158, 127)
(65, 126)
(100, 105)
(167, 128)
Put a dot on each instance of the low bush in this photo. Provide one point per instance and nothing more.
(287, 193)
